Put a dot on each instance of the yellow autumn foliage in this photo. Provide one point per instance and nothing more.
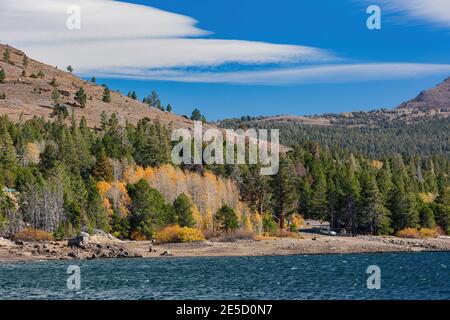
(178, 234)
(297, 220)
(418, 233)
(377, 164)
(427, 197)
(114, 195)
(208, 193)
(31, 154)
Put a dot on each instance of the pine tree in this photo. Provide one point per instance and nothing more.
(134, 95)
(2, 75)
(97, 215)
(56, 95)
(7, 55)
(373, 216)
(153, 100)
(49, 157)
(319, 202)
(94, 80)
(284, 193)
(103, 170)
(25, 61)
(169, 108)
(70, 69)
(403, 206)
(148, 209)
(81, 97)
(8, 155)
(183, 210)
(106, 95)
(196, 115)
(350, 195)
(226, 219)
(427, 217)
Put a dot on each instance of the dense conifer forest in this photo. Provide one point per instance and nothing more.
(62, 177)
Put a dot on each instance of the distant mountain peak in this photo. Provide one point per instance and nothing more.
(432, 99)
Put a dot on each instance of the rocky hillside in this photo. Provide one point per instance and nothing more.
(437, 98)
(29, 95)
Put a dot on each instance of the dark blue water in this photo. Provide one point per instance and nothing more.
(403, 276)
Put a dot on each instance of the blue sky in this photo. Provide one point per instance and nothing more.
(263, 73)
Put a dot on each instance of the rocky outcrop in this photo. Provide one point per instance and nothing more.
(437, 98)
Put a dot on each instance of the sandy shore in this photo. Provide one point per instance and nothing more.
(307, 244)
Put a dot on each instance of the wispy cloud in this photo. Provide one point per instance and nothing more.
(431, 12)
(116, 34)
(285, 76)
(124, 40)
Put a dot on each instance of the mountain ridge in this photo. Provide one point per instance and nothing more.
(435, 98)
(28, 95)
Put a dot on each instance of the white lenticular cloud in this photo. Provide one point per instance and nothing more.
(434, 12)
(124, 40)
(342, 73)
(116, 34)
(44, 21)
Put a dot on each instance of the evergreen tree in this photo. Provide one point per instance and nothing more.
(183, 210)
(373, 217)
(169, 108)
(349, 189)
(148, 209)
(81, 97)
(196, 115)
(318, 203)
(70, 69)
(49, 157)
(7, 55)
(284, 193)
(8, 155)
(153, 100)
(403, 206)
(56, 96)
(226, 219)
(25, 61)
(427, 217)
(103, 170)
(106, 95)
(2, 75)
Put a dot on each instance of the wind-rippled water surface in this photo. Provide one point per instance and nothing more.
(403, 276)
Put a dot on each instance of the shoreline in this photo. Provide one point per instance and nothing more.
(304, 245)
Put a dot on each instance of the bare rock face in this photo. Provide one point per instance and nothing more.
(437, 98)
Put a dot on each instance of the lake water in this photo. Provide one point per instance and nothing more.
(403, 276)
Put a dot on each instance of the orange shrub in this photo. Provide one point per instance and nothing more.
(177, 234)
(428, 233)
(137, 236)
(409, 233)
(418, 233)
(31, 234)
(190, 235)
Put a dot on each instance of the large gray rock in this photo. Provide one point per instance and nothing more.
(80, 241)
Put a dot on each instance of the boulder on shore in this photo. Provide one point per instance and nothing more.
(80, 241)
